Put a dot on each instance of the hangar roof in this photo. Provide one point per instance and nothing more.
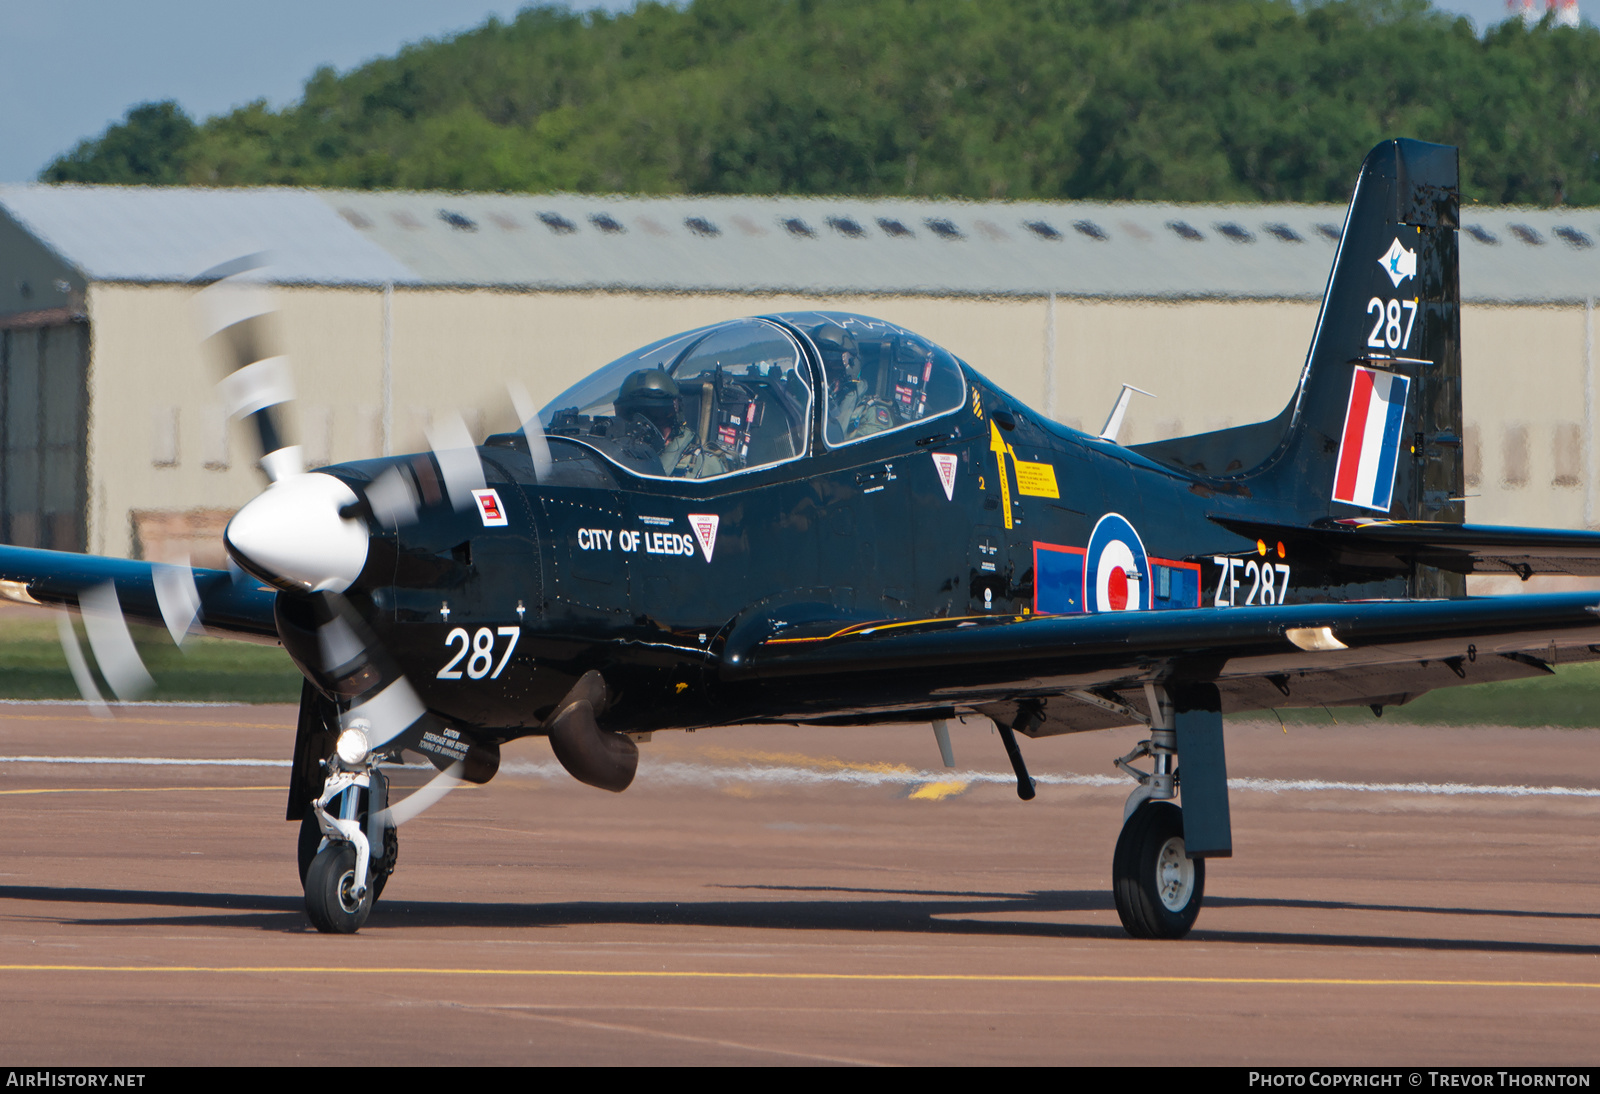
(843, 245)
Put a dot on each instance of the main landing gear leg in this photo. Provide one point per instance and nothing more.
(1158, 875)
(342, 876)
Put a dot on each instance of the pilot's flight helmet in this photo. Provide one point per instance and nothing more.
(650, 392)
(841, 353)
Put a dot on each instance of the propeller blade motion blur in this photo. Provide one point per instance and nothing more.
(532, 430)
(237, 323)
(112, 643)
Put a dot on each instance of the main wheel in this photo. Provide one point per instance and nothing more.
(330, 891)
(1158, 887)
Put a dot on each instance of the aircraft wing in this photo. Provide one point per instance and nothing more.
(1361, 652)
(237, 606)
(1459, 548)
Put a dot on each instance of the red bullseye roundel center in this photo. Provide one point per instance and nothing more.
(1117, 590)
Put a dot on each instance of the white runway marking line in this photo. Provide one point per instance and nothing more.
(884, 775)
(141, 761)
(688, 774)
(132, 703)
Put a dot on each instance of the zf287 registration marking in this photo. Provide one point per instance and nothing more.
(1269, 581)
(481, 646)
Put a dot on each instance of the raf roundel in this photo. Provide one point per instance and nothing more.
(1116, 570)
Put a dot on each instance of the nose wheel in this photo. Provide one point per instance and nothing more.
(311, 842)
(334, 900)
(1158, 887)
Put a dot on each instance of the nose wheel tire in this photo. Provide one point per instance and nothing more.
(1158, 888)
(311, 839)
(330, 891)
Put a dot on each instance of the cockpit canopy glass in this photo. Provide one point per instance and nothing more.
(715, 401)
(877, 377)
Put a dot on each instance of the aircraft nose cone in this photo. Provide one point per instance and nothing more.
(292, 535)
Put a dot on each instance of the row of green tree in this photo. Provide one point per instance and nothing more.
(1156, 99)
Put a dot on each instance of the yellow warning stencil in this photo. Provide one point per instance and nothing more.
(1036, 480)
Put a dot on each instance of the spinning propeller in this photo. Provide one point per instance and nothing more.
(307, 535)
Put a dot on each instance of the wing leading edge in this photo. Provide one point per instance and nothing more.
(238, 607)
(1347, 653)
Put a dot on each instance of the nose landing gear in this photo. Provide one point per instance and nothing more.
(341, 875)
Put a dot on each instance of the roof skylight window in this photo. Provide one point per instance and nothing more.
(1284, 232)
(1573, 237)
(1527, 234)
(894, 228)
(845, 226)
(1091, 229)
(558, 224)
(1483, 235)
(700, 226)
(1043, 229)
(1186, 230)
(798, 227)
(1330, 231)
(607, 223)
(944, 229)
(1236, 232)
(459, 221)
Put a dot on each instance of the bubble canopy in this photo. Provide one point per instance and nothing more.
(737, 396)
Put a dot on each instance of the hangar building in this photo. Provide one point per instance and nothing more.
(397, 306)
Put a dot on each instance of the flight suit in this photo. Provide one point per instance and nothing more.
(684, 457)
(857, 416)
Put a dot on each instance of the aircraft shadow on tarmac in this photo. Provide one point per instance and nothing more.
(911, 911)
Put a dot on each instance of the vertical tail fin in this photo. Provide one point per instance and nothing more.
(1374, 428)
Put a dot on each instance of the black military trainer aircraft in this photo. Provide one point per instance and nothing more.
(820, 518)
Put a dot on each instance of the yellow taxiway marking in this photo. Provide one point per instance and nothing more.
(940, 790)
(954, 977)
(133, 789)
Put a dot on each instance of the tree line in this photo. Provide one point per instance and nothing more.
(1220, 100)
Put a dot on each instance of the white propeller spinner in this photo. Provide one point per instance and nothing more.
(293, 536)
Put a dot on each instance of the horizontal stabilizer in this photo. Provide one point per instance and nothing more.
(1389, 545)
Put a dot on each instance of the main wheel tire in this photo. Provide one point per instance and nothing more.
(330, 891)
(1158, 888)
